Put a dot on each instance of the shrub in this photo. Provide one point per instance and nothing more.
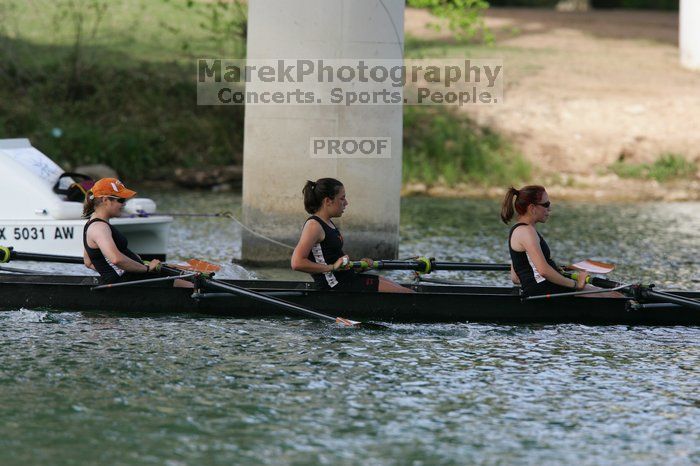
(667, 167)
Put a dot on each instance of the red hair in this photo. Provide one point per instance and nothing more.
(523, 197)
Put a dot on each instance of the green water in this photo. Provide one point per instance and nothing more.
(79, 388)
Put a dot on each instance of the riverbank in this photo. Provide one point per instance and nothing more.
(590, 97)
(585, 92)
(599, 188)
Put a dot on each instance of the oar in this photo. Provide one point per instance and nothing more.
(143, 213)
(16, 270)
(426, 265)
(665, 297)
(141, 282)
(287, 306)
(646, 292)
(7, 254)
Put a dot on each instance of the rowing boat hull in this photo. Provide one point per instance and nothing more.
(432, 303)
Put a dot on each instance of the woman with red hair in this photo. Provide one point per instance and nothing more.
(532, 267)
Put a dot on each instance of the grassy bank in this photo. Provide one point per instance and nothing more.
(443, 147)
(112, 82)
(666, 167)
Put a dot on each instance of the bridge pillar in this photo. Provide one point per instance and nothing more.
(690, 34)
(277, 157)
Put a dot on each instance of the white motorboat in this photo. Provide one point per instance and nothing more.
(34, 217)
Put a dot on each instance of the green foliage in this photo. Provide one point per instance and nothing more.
(464, 17)
(441, 146)
(225, 22)
(93, 81)
(667, 167)
(525, 3)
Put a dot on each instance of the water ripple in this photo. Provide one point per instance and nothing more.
(96, 389)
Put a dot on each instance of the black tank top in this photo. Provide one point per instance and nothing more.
(327, 252)
(524, 268)
(109, 273)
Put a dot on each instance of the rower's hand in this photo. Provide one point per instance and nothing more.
(153, 266)
(581, 278)
(367, 261)
(343, 263)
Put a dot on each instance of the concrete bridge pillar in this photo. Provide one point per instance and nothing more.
(278, 138)
(690, 34)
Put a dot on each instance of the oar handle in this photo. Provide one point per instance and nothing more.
(595, 281)
(426, 265)
(575, 275)
(423, 265)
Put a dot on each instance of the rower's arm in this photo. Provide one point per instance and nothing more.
(87, 261)
(514, 276)
(101, 235)
(530, 241)
(311, 234)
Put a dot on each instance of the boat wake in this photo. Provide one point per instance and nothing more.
(31, 316)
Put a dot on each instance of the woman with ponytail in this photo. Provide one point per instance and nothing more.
(532, 267)
(105, 249)
(320, 248)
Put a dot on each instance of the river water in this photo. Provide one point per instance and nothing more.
(79, 388)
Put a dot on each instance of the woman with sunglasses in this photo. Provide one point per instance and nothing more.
(532, 267)
(105, 248)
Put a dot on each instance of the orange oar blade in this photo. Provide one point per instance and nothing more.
(346, 322)
(198, 265)
(195, 265)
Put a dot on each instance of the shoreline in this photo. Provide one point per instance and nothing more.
(608, 188)
(597, 188)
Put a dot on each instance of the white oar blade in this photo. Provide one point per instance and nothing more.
(591, 266)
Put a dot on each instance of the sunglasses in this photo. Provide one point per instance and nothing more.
(120, 200)
(545, 204)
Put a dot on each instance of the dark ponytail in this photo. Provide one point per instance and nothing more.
(316, 191)
(90, 203)
(517, 200)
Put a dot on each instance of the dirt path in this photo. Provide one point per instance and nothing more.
(584, 90)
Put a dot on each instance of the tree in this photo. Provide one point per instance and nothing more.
(464, 17)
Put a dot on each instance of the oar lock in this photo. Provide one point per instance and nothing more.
(5, 254)
(419, 265)
(427, 263)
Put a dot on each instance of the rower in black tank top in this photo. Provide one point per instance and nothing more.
(531, 282)
(110, 273)
(330, 250)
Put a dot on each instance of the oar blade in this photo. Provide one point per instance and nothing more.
(354, 324)
(592, 266)
(346, 322)
(196, 265)
(199, 265)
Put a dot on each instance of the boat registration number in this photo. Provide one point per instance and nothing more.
(35, 233)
